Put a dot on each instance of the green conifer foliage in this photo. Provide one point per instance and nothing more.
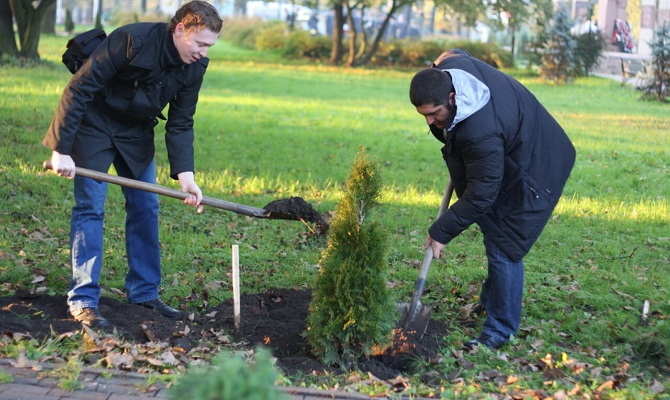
(230, 377)
(352, 310)
(658, 86)
(558, 56)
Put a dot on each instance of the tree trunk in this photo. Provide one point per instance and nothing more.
(28, 21)
(353, 34)
(431, 25)
(378, 38)
(338, 22)
(143, 6)
(7, 40)
(49, 21)
(364, 35)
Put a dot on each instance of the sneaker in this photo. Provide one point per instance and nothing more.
(161, 308)
(485, 340)
(91, 317)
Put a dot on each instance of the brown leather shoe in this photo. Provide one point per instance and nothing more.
(91, 317)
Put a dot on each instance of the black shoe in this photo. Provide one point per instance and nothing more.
(484, 340)
(161, 308)
(91, 317)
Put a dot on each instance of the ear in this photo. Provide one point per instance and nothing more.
(179, 29)
(452, 99)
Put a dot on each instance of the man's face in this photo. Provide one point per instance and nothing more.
(439, 115)
(435, 115)
(193, 45)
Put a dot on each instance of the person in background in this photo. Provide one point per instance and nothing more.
(508, 159)
(106, 116)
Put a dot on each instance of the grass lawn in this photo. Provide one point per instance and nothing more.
(265, 130)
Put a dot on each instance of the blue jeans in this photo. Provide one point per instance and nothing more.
(501, 294)
(142, 245)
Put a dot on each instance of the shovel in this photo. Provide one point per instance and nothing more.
(415, 314)
(283, 213)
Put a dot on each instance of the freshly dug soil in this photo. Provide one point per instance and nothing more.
(294, 208)
(275, 319)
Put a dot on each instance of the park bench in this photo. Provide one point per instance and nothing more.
(634, 69)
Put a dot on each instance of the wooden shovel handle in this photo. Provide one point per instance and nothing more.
(165, 191)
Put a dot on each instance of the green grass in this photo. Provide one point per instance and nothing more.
(266, 130)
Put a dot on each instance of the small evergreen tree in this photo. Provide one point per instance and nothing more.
(230, 377)
(658, 87)
(558, 56)
(590, 47)
(352, 310)
(69, 24)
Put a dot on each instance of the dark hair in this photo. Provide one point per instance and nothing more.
(430, 86)
(197, 15)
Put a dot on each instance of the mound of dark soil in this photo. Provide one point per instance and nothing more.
(276, 320)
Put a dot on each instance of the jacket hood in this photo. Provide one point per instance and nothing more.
(471, 94)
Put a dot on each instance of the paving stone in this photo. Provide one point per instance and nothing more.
(79, 394)
(27, 389)
(21, 395)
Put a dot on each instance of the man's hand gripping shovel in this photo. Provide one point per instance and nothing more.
(416, 315)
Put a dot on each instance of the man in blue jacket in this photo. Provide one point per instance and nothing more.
(106, 116)
(508, 159)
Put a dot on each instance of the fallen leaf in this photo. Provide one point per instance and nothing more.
(118, 360)
(657, 387)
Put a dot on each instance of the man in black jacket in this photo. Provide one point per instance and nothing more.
(508, 159)
(106, 116)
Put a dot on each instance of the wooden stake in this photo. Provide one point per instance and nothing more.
(645, 312)
(236, 288)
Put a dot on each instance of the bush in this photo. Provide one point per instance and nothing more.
(301, 44)
(242, 31)
(423, 53)
(490, 53)
(273, 37)
(120, 18)
(230, 377)
(351, 309)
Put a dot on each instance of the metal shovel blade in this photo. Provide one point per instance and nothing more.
(415, 314)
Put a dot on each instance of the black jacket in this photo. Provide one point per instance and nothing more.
(509, 162)
(112, 103)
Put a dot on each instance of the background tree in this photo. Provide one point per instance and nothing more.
(7, 41)
(28, 23)
(336, 51)
(516, 11)
(49, 21)
(542, 13)
(659, 85)
(558, 55)
(351, 309)
(69, 23)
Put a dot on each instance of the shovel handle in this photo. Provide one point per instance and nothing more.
(427, 259)
(165, 191)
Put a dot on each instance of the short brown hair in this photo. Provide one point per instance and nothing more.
(197, 15)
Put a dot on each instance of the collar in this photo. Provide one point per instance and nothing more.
(471, 94)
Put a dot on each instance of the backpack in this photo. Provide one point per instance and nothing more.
(80, 47)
